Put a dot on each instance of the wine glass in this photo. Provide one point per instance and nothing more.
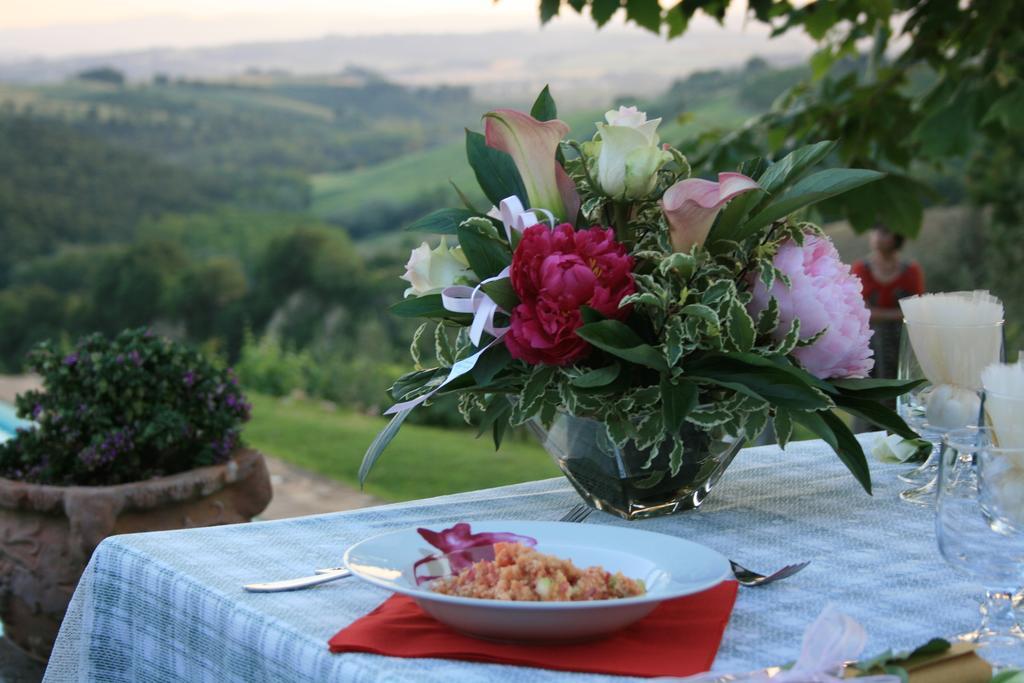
(954, 355)
(979, 523)
(911, 408)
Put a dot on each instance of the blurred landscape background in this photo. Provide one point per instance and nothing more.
(247, 191)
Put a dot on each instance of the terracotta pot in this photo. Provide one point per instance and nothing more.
(48, 533)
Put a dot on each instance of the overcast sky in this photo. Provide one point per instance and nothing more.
(62, 27)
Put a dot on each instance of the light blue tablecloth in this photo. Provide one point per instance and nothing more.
(169, 606)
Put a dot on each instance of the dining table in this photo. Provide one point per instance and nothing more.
(169, 605)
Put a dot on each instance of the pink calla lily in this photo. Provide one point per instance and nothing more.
(532, 144)
(691, 206)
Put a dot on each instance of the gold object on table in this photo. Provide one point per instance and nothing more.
(959, 664)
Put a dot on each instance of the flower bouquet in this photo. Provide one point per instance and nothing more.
(644, 324)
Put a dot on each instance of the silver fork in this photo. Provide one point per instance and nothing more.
(328, 574)
(747, 577)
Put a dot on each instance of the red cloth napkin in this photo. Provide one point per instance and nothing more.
(679, 638)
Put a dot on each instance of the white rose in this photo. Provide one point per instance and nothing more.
(629, 156)
(430, 271)
(893, 448)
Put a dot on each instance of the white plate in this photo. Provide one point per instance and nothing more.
(670, 567)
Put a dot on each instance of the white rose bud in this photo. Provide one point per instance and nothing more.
(430, 271)
(629, 155)
(893, 448)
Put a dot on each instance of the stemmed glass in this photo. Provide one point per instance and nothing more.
(931, 410)
(980, 527)
(911, 408)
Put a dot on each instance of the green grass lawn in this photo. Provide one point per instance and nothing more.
(421, 461)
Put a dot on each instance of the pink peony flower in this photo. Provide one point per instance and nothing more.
(555, 272)
(824, 294)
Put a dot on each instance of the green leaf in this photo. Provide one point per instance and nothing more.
(414, 345)
(597, 378)
(726, 227)
(533, 390)
(490, 363)
(441, 222)
(769, 318)
(649, 431)
(810, 190)
(833, 431)
(646, 13)
(619, 431)
(1006, 111)
(498, 432)
(427, 306)
(486, 255)
(620, 340)
(443, 346)
(649, 481)
(876, 413)
(591, 315)
(895, 200)
(793, 166)
(502, 293)
(677, 400)
(381, 442)
(544, 108)
(783, 422)
(675, 457)
(495, 171)
(674, 335)
(703, 312)
(497, 409)
(548, 10)
(757, 377)
(602, 10)
(875, 388)
(676, 21)
(741, 326)
(934, 646)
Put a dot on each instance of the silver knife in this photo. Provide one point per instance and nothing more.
(332, 574)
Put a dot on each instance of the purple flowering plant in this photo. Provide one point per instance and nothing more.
(124, 409)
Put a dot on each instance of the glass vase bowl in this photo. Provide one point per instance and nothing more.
(614, 480)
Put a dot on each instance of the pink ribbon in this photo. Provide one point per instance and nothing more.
(832, 640)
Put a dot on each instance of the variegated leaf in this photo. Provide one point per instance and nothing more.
(769, 318)
(649, 430)
(709, 417)
(783, 422)
(675, 457)
(414, 346)
(443, 346)
(619, 431)
(674, 334)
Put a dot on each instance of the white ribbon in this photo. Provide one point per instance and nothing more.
(516, 219)
(476, 302)
(832, 640)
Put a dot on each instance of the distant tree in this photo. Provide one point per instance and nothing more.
(137, 287)
(209, 297)
(103, 74)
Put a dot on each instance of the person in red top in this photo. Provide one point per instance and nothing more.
(886, 278)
